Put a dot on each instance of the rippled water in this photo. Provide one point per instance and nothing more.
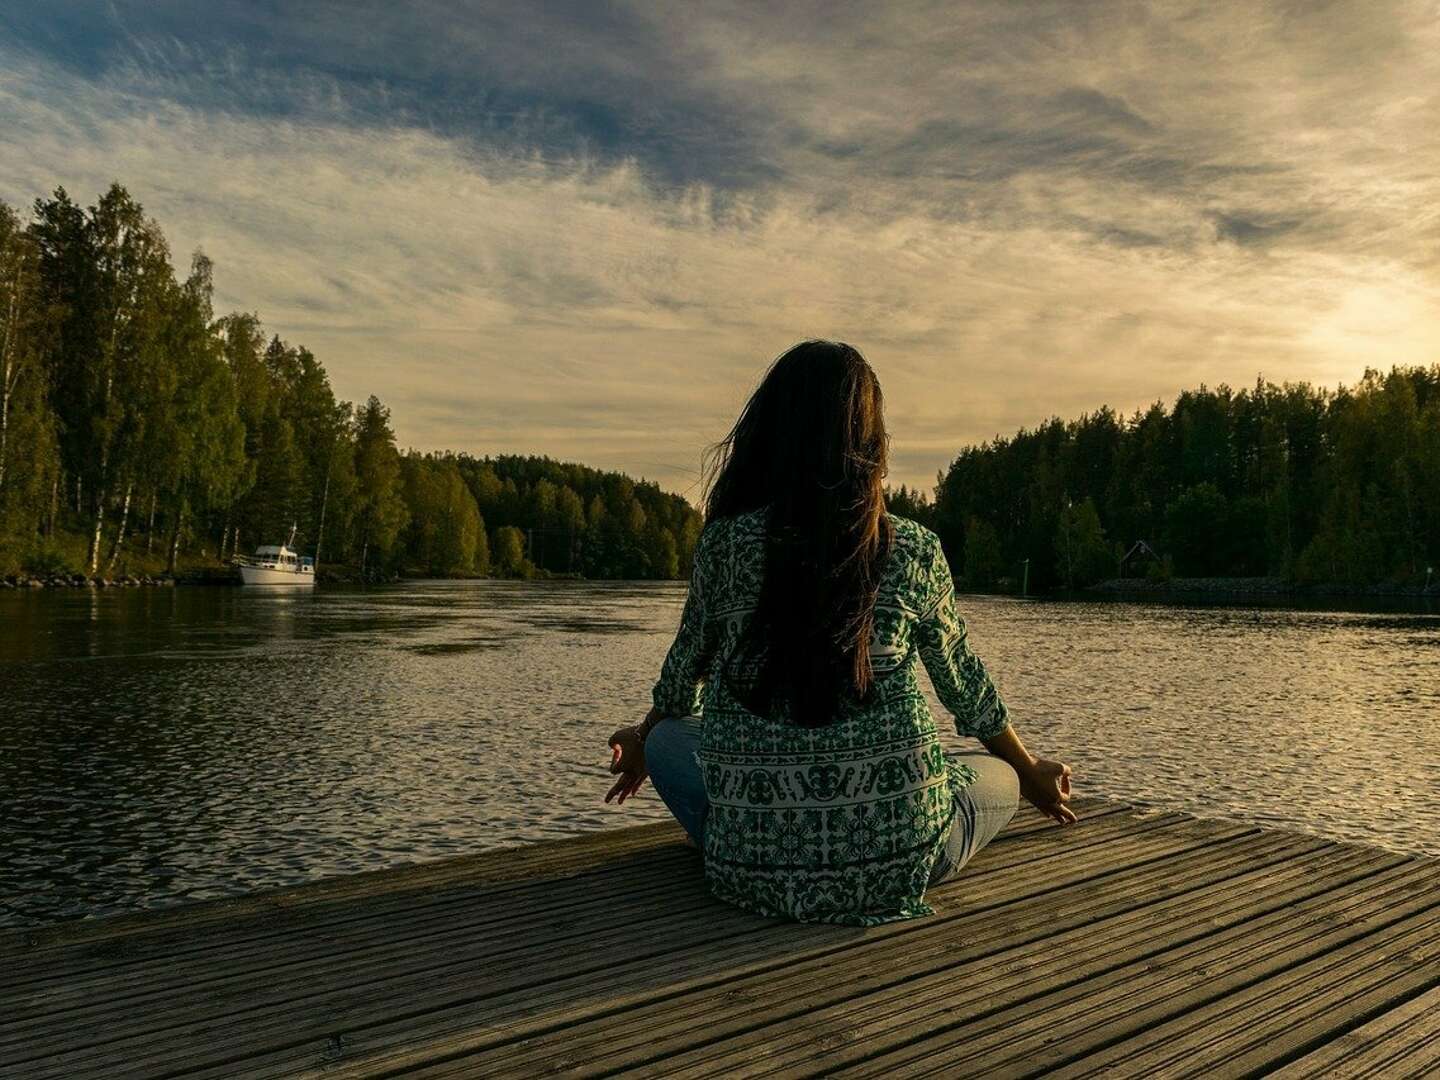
(158, 746)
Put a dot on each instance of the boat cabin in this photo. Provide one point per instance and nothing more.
(280, 557)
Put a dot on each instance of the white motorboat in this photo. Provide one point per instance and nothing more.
(277, 564)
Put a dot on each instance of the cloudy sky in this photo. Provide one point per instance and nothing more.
(583, 229)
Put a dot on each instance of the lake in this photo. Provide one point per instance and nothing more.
(166, 745)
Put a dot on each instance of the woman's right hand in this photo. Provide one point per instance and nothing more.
(627, 757)
(1046, 786)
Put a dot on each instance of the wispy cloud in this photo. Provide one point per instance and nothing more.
(583, 231)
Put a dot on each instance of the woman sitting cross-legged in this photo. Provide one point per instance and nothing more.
(789, 735)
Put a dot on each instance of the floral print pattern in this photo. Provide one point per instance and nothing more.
(839, 824)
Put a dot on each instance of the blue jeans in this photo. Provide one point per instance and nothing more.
(672, 756)
(981, 810)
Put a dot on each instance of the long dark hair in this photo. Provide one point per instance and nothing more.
(811, 445)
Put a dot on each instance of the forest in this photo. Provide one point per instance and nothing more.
(1305, 484)
(140, 432)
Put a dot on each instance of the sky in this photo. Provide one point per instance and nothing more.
(584, 229)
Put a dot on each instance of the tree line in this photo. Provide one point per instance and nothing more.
(138, 428)
(1294, 481)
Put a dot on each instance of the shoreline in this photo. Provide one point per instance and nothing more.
(223, 577)
(1220, 589)
(1255, 588)
(81, 581)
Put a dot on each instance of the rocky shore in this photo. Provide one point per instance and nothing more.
(204, 575)
(80, 581)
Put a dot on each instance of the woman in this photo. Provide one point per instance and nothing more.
(808, 769)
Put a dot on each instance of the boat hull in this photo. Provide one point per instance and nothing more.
(264, 575)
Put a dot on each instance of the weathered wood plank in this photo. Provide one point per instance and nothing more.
(1045, 1031)
(1134, 942)
(374, 893)
(124, 984)
(774, 944)
(616, 903)
(1402, 1041)
(1260, 1026)
(570, 878)
(982, 981)
(743, 987)
(281, 1011)
(246, 963)
(741, 1018)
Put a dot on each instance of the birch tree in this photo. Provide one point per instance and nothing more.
(23, 327)
(108, 268)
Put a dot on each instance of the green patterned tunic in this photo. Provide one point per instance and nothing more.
(843, 823)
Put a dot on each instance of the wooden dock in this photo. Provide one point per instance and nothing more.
(1133, 943)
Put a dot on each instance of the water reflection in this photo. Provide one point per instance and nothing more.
(164, 745)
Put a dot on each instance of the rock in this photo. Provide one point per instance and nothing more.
(35, 583)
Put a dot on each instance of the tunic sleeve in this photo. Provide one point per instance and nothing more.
(960, 678)
(677, 693)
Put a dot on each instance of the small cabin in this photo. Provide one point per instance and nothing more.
(1138, 560)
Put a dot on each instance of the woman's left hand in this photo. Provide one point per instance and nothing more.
(1046, 786)
(627, 759)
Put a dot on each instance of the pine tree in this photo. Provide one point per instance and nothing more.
(381, 512)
